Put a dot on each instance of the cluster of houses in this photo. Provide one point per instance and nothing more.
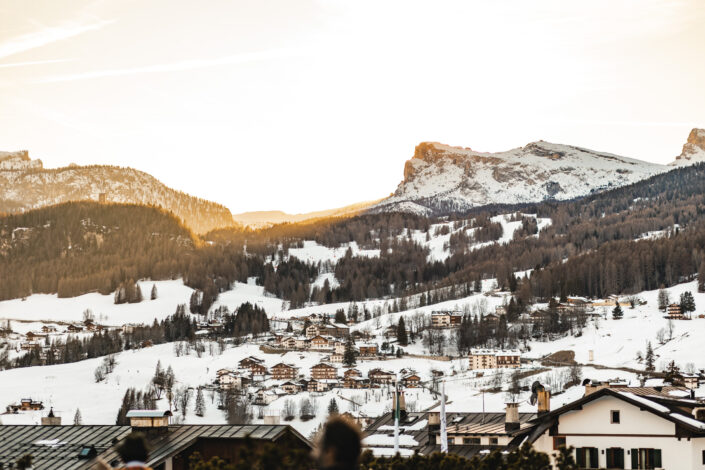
(287, 379)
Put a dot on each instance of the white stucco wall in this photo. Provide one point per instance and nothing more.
(591, 427)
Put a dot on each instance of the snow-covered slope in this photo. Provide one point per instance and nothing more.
(441, 179)
(693, 149)
(25, 185)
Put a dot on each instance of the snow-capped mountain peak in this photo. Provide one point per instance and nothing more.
(441, 178)
(693, 149)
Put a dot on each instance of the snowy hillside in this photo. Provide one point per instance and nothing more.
(25, 185)
(615, 344)
(441, 179)
(693, 149)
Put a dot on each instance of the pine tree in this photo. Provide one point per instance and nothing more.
(333, 407)
(649, 358)
(701, 277)
(687, 303)
(200, 407)
(77, 420)
(617, 313)
(153, 295)
(401, 333)
(349, 354)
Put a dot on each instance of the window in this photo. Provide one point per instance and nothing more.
(494, 441)
(558, 442)
(614, 416)
(704, 457)
(615, 457)
(471, 440)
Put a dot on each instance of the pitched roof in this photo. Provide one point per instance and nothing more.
(670, 408)
(55, 447)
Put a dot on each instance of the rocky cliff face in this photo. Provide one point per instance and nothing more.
(441, 179)
(693, 149)
(25, 185)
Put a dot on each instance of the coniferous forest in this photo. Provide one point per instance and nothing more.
(592, 247)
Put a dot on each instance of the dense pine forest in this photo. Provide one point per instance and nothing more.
(595, 246)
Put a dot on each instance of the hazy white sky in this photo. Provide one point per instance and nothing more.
(304, 105)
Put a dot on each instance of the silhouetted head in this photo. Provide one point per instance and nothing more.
(133, 448)
(340, 445)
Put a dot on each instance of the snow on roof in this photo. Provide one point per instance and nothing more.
(386, 439)
(148, 413)
(688, 420)
(646, 402)
(494, 352)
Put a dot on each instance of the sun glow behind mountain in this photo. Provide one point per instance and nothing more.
(301, 106)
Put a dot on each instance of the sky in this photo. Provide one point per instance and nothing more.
(313, 104)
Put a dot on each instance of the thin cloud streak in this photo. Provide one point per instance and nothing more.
(183, 65)
(35, 62)
(47, 36)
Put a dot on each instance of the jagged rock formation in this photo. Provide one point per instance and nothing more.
(25, 185)
(693, 149)
(442, 179)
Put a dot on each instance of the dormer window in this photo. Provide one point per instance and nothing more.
(614, 416)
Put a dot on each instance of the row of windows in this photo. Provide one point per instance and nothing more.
(589, 457)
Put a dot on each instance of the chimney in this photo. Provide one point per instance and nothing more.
(544, 401)
(149, 421)
(511, 418)
(50, 419)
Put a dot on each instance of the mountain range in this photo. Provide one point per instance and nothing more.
(439, 179)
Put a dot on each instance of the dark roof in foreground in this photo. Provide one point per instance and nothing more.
(57, 447)
(181, 436)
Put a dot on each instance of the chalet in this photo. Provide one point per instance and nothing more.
(232, 380)
(435, 373)
(283, 371)
(390, 332)
(171, 447)
(351, 373)
(48, 329)
(493, 359)
(500, 310)
(324, 371)
(446, 319)
(29, 345)
(27, 404)
(32, 336)
(258, 372)
(368, 350)
(630, 427)
(265, 396)
(336, 330)
(411, 381)
(74, 328)
(303, 343)
(675, 312)
(312, 385)
(691, 381)
(288, 342)
(312, 331)
(491, 318)
(291, 388)
(319, 343)
(149, 418)
(379, 376)
(339, 347)
(247, 362)
(336, 357)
